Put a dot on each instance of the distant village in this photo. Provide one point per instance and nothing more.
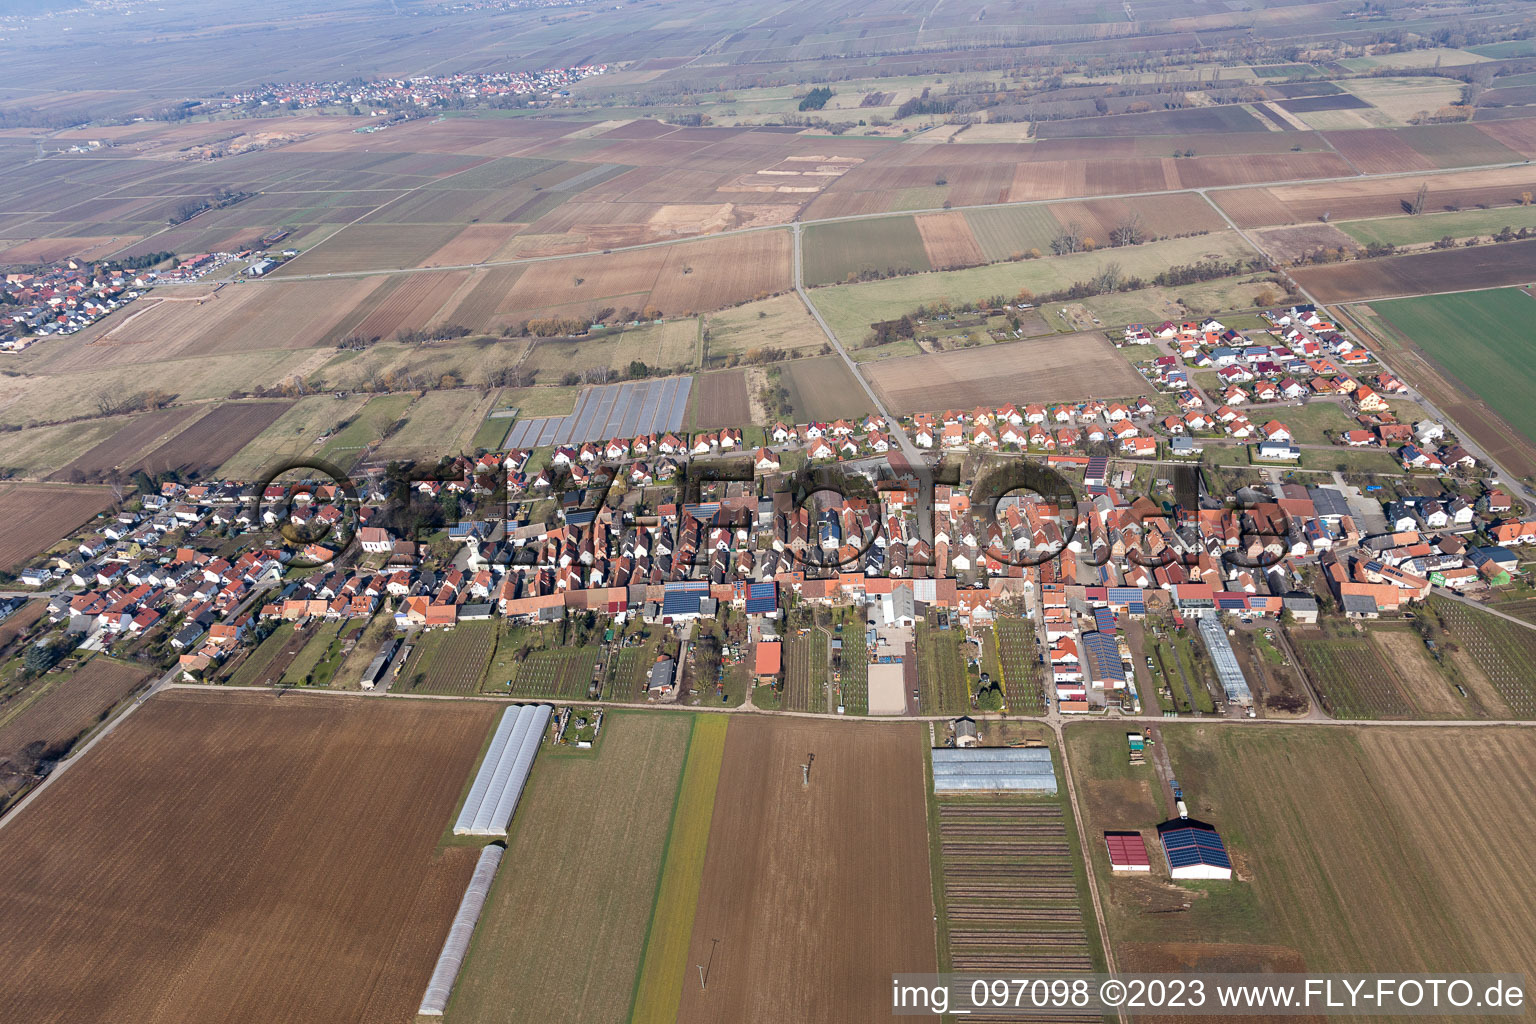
(419, 91)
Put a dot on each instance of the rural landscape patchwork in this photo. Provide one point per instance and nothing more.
(696, 511)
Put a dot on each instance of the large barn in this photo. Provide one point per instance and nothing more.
(1194, 850)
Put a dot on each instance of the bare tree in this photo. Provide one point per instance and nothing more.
(1128, 231)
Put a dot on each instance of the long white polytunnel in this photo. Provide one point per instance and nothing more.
(457, 944)
(499, 783)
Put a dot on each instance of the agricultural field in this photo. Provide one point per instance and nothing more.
(854, 669)
(851, 308)
(1051, 369)
(36, 453)
(56, 711)
(805, 671)
(554, 942)
(269, 660)
(1479, 334)
(291, 435)
(720, 399)
(1431, 227)
(1350, 677)
(780, 322)
(37, 516)
(671, 345)
(214, 826)
(842, 251)
(948, 241)
(374, 422)
(450, 661)
(213, 439)
(1501, 650)
(629, 670)
(1013, 884)
(808, 888)
(822, 388)
(1017, 651)
(1444, 270)
(438, 423)
(131, 439)
(941, 669)
(1003, 232)
(1337, 836)
(664, 969)
(1350, 200)
(328, 647)
(564, 673)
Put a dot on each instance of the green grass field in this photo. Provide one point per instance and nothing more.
(833, 251)
(378, 416)
(1005, 230)
(665, 965)
(1481, 337)
(1431, 227)
(850, 309)
(560, 940)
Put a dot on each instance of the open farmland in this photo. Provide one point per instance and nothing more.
(1431, 227)
(1338, 840)
(840, 251)
(1359, 199)
(39, 515)
(291, 435)
(265, 314)
(566, 673)
(66, 706)
(1445, 270)
(851, 308)
(1021, 676)
(132, 439)
(556, 943)
(805, 672)
(720, 400)
(451, 661)
(374, 422)
(1051, 369)
(670, 344)
(1007, 231)
(274, 857)
(822, 388)
(781, 322)
(1014, 898)
(1350, 677)
(1503, 651)
(38, 452)
(815, 893)
(1483, 336)
(948, 240)
(438, 423)
(213, 439)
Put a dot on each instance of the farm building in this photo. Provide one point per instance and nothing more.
(499, 783)
(1194, 850)
(994, 770)
(770, 659)
(1228, 671)
(1127, 851)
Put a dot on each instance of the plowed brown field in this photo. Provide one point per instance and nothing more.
(213, 440)
(815, 894)
(243, 857)
(38, 515)
(948, 241)
(721, 399)
(1056, 369)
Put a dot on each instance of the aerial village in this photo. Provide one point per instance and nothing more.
(669, 530)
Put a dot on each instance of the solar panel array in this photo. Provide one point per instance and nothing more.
(609, 410)
(1189, 845)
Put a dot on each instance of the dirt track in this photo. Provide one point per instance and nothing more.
(817, 894)
(241, 858)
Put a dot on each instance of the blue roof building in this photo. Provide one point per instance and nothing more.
(1194, 849)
